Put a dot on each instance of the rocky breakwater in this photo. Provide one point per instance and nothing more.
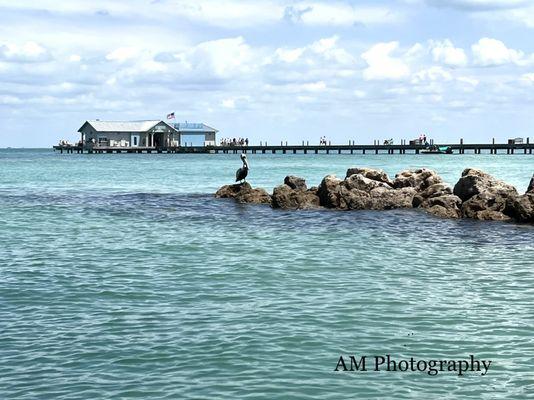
(244, 193)
(477, 195)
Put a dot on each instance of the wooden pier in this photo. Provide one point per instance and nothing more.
(284, 148)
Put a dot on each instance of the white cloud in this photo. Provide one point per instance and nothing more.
(289, 55)
(493, 52)
(220, 59)
(228, 12)
(432, 74)
(478, 5)
(314, 86)
(27, 52)
(381, 65)
(221, 13)
(122, 54)
(527, 78)
(75, 58)
(224, 57)
(444, 52)
(515, 11)
(235, 102)
(468, 80)
(339, 14)
(228, 103)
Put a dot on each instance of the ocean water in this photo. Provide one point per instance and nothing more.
(122, 277)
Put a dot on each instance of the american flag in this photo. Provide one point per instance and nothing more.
(170, 116)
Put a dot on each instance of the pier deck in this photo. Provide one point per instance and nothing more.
(461, 148)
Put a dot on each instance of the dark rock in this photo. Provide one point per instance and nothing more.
(379, 197)
(354, 199)
(477, 195)
(475, 181)
(483, 196)
(386, 198)
(531, 185)
(294, 182)
(287, 198)
(329, 192)
(419, 179)
(360, 193)
(370, 173)
(521, 208)
(439, 200)
(447, 206)
(488, 205)
(244, 193)
(436, 190)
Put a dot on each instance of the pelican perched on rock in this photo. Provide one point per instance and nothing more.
(242, 172)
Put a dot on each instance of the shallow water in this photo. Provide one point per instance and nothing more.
(122, 277)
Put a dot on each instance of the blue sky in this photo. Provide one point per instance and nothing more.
(270, 69)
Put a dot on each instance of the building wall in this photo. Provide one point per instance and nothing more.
(192, 139)
(210, 139)
(198, 138)
(121, 139)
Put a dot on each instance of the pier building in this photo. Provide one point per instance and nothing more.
(145, 134)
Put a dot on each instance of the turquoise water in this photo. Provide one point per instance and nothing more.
(122, 277)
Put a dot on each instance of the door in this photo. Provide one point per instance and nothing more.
(135, 140)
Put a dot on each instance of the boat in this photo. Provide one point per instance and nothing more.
(437, 150)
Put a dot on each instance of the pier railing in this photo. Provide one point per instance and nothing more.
(306, 148)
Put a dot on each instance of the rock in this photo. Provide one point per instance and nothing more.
(444, 212)
(488, 205)
(287, 198)
(294, 182)
(386, 199)
(354, 199)
(446, 206)
(475, 181)
(360, 182)
(521, 208)
(244, 193)
(438, 199)
(419, 179)
(370, 173)
(329, 192)
(484, 197)
(379, 198)
(477, 195)
(436, 190)
(531, 185)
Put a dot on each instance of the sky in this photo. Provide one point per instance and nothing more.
(270, 70)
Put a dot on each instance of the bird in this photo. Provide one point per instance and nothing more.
(242, 172)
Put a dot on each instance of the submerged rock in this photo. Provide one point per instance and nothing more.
(244, 193)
